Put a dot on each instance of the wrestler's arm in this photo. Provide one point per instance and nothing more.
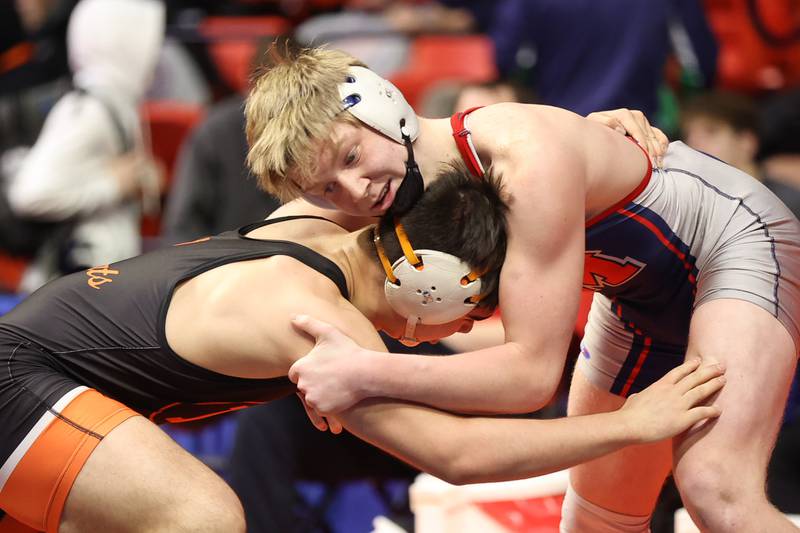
(464, 449)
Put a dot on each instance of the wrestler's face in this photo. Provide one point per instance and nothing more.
(719, 139)
(359, 171)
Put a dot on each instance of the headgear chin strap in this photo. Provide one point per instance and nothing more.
(380, 105)
(427, 286)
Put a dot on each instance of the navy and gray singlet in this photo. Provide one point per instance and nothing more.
(695, 231)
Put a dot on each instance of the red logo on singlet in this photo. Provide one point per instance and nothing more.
(600, 270)
(100, 275)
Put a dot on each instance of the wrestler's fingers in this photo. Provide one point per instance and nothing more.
(639, 127)
(681, 371)
(294, 371)
(703, 392)
(334, 425)
(312, 326)
(701, 375)
(316, 419)
(698, 414)
(648, 136)
(607, 120)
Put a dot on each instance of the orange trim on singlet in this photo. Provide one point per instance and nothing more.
(462, 137)
(37, 490)
(629, 198)
(9, 525)
(179, 419)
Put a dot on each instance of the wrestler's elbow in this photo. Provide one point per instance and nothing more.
(457, 469)
(469, 464)
(535, 387)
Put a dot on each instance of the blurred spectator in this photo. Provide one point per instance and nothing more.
(33, 66)
(379, 32)
(585, 55)
(213, 190)
(779, 133)
(448, 97)
(178, 78)
(726, 125)
(32, 37)
(88, 168)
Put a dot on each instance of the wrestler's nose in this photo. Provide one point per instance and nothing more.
(356, 187)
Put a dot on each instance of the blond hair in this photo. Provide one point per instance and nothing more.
(291, 108)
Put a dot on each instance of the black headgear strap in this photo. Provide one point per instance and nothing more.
(413, 186)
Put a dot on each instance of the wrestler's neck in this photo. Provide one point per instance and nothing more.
(434, 146)
(354, 255)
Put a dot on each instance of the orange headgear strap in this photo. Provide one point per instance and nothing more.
(413, 258)
(387, 266)
(405, 244)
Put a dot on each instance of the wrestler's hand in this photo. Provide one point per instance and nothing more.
(675, 402)
(633, 122)
(320, 422)
(329, 375)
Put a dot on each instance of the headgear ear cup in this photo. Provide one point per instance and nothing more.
(433, 293)
(379, 104)
(427, 286)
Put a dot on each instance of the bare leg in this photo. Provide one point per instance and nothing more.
(138, 479)
(628, 481)
(720, 470)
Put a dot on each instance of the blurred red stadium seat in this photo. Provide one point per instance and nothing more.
(169, 123)
(213, 28)
(436, 58)
(11, 271)
(232, 60)
(232, 41)
(759, 43)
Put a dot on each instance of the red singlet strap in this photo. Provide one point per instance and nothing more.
(463, 138)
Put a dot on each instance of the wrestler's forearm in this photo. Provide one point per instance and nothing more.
(463, 449)
(500, 379)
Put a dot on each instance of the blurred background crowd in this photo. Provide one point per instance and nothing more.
(121, 130)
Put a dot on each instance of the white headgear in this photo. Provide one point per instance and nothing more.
(427, 286)
(378, 103)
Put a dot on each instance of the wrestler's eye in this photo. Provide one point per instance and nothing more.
(351, 157)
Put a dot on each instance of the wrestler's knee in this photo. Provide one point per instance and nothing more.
(719, 496)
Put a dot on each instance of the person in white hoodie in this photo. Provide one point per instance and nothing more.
(90, 167)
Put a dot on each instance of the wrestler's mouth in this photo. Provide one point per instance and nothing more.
(382, 196)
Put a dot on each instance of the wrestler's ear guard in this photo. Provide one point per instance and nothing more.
(427, 286)
(380, 105)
